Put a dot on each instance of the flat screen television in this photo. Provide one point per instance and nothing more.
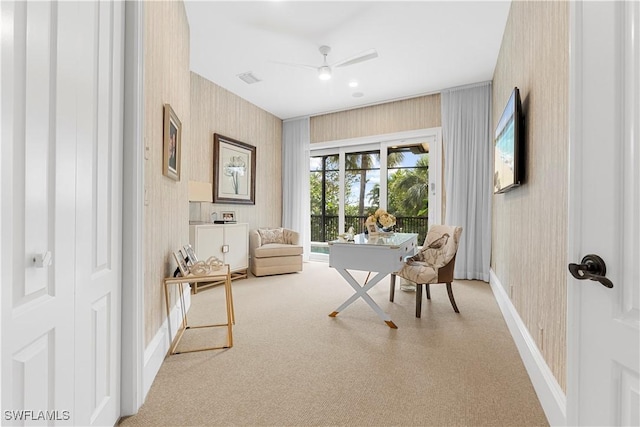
(508, 146)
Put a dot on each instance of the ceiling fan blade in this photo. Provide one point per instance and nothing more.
(290, 64)
(360, 57)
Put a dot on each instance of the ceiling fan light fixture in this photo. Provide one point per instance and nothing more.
(324, 73)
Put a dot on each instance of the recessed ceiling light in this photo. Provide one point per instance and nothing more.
(353, 83)
(358, 94)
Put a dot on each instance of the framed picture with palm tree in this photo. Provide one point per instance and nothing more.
(234, 171)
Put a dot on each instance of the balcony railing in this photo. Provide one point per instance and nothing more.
(325, 228)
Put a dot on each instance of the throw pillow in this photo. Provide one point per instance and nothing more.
(434, 254)
(271, 235)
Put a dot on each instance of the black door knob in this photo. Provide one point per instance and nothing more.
(592, 267)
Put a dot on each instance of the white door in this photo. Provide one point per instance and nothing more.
(604, 214)
(61, 192)
(99, 90)
(38, 222)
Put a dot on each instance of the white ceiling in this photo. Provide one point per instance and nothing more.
(423, 47)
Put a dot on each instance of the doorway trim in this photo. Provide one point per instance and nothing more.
(132, 325)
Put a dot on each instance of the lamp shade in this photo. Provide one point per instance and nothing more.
(200, 191)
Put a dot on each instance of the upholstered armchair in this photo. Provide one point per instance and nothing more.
(432, 264)
(274, 251)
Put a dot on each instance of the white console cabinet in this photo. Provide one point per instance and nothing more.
(228, 242)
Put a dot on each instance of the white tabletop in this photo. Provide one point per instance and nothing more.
(388, 240)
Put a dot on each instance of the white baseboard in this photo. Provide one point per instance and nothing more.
(550, 394)
(158, 348)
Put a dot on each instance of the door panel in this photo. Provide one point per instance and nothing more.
(604, 324)
(208, 242)
(37, 298)
(101, 329)
(32, 365)
(35, 124)
(99, 192)
(236, 236)
(61, 193)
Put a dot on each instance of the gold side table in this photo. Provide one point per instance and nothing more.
(224, 274)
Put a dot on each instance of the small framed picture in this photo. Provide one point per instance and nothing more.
(229, 216)
(172, 144)
(182, 263)
(189, 255)
(372, 228)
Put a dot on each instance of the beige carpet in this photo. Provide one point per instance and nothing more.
(293, 365)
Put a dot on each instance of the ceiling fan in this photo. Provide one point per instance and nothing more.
(324, 70)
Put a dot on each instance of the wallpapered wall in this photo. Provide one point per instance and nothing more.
(203, 108)
(216, 110)
(166, 80)
(529, 223)
(416, 113)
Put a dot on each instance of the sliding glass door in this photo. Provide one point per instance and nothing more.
(408, 188)
(325, 199)
(348, 184)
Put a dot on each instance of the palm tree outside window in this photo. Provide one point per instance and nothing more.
(362, 174)
(408, 188)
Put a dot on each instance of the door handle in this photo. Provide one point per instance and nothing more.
(42, 260)
(591, 267)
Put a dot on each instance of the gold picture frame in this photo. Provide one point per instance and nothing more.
(172, 148)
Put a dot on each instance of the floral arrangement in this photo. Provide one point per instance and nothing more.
(382, 218)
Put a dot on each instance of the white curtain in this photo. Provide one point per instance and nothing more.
(466, 132)
(295, 180)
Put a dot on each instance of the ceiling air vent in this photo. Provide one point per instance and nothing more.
(248, 78)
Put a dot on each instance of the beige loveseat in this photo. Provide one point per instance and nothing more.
(274, 251)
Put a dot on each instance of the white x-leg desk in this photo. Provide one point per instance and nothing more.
(361, 292)
(380, 254)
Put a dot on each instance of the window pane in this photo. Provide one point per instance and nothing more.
(331, 193)
(323, 180)
(332, 163)
(362, 188)
(315, 186)
(362, 197)
(368, 160)
(315, 163)
(408, 188)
